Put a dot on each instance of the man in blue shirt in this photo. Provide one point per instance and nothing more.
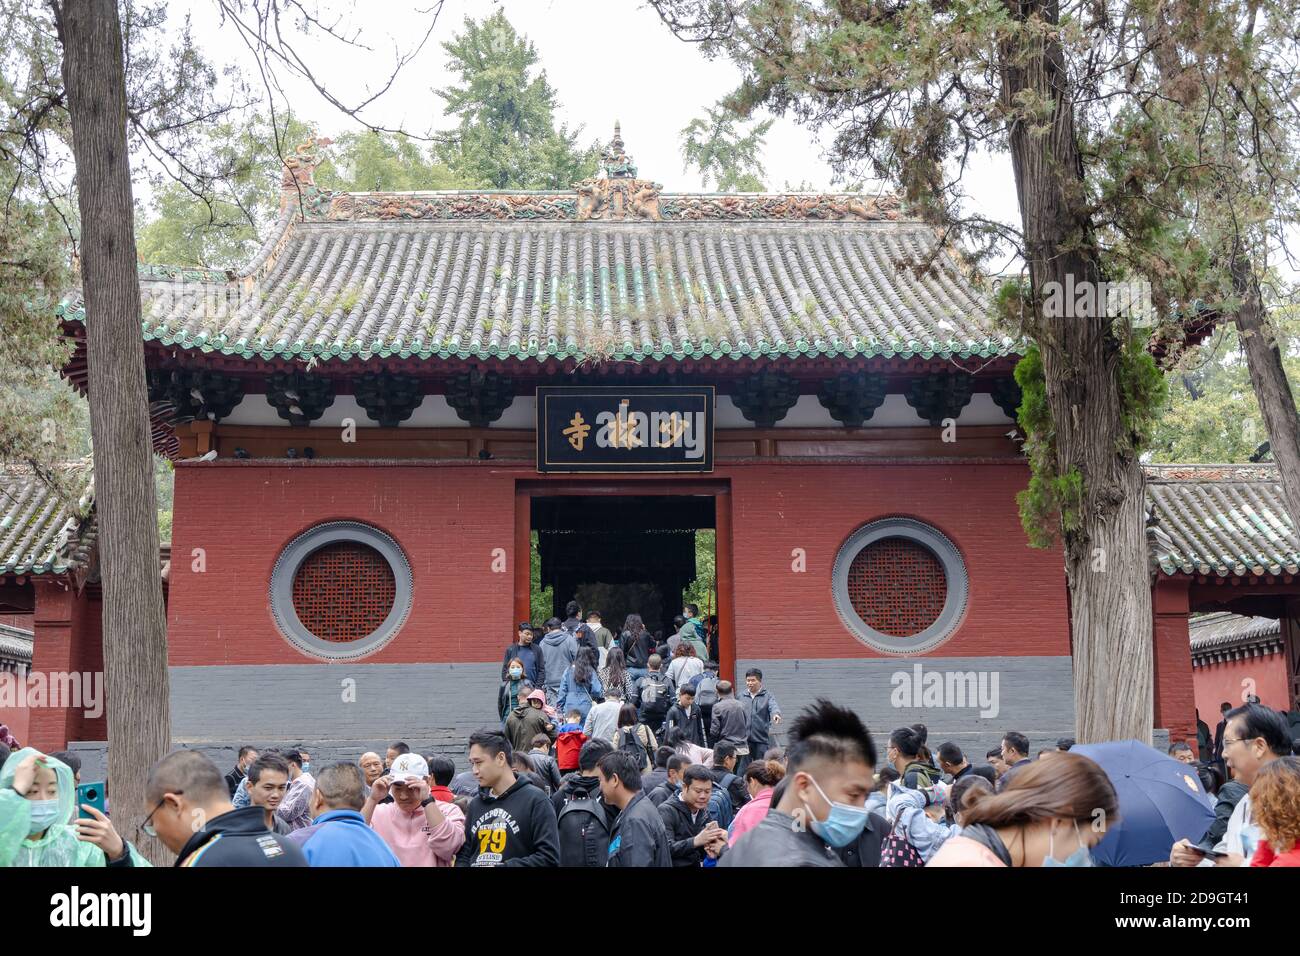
(338, 834)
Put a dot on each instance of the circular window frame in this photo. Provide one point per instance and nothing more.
(304, 546)
(954, 572)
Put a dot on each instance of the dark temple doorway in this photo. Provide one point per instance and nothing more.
(623, 554)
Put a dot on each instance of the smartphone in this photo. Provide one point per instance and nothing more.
(93, 794)
(1208, 851)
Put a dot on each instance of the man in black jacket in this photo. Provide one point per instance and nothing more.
(820, 805)
(185, 787)
(673, 770)
(638, 838)
(686, 716)
(691, 834)
(510, 821)
(730, 723)
(247, 755)
(528, 652)
(724, 775)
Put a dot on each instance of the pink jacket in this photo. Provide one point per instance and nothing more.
(963, 851)
(750, 815)
(411, 838)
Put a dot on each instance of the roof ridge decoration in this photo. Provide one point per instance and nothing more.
(616, 195)
(1213, 472)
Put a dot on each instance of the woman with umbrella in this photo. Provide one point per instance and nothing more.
(1046, 816)
(1161, 800)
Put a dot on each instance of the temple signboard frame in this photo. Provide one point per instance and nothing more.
(622, 430)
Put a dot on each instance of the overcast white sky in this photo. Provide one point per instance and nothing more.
(606, 59)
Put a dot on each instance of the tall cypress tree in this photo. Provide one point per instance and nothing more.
(507, 136)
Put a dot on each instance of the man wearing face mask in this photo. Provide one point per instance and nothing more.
(830, 761)
(192, 814)
(295, 808)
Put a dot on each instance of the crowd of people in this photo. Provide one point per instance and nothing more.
(829, 797)
(604, 756)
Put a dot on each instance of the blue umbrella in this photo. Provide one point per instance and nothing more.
(1161, 801)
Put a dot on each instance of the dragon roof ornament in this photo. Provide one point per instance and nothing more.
(615, 195)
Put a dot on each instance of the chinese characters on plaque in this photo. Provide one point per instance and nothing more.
(625, 429)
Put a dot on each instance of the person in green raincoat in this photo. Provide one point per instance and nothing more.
(36, 803)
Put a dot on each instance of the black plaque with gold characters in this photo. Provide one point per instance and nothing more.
(644, 428)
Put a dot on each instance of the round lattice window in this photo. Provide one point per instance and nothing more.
(341, 590)
(900, 586)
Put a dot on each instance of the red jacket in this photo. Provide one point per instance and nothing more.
(1264, 856)
(567, 746)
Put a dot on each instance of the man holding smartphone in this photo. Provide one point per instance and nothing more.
(1253, 737)
(691, 834)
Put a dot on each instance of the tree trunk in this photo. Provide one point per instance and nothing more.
(1263, 354)
(134, 625)
(1105, 555)
(1268, 377)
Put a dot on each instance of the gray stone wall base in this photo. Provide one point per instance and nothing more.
(339, 711)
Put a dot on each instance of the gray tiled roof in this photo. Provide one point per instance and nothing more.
(1223, 629)
(15, 645)
(611, 289)
(38, 533)
(1223, 520)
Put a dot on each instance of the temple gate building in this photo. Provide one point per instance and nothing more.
(405, 401)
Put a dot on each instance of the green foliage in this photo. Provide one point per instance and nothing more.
(1210, 413)
(507, 137)
(541, 601)
(1040, 506)
(382, 162)
(1142, 393)
(723, 152)
(703, 591)
(223, 230)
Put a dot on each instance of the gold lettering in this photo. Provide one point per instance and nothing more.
(673, 429)
(577, 431)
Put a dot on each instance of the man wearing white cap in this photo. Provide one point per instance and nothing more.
(419, 829)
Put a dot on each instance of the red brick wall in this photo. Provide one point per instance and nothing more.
(68, 639)
(1172, 659)
(1216, 683)
(448, 520)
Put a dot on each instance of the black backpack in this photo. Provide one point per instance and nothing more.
(584, 833)
(655, 697)
(629, 741)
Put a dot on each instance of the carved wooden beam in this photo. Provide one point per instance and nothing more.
(765, 397)
(195, 393)
(299, 398)
(480, 398)
(853, 397)
(936, 397)
(388, 397)
(1006, 394)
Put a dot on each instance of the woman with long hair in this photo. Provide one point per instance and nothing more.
(616, 674)
(1051, 814)
(685, 665)
(760, 780)
(637, 644)
(580, 686)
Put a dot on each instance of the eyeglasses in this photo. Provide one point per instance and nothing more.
(1236, 740)
(147, 827)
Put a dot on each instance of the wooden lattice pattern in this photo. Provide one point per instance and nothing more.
(897, 586)
(344, 591)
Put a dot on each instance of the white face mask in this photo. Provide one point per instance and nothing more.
(44, 813)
